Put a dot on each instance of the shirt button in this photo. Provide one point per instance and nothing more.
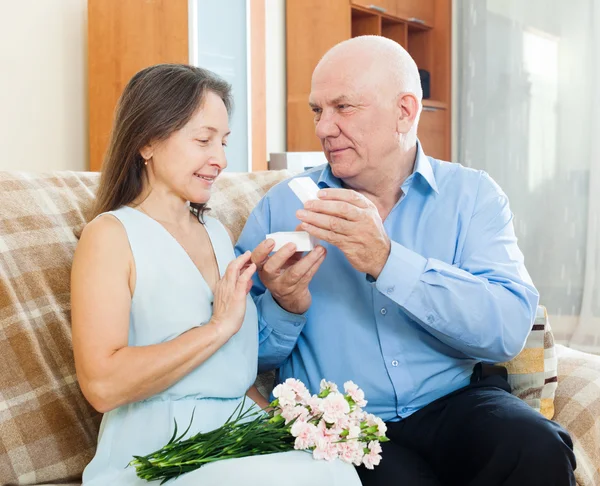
(390, 289)
(394, 363)
(430, 319)
(383, 311)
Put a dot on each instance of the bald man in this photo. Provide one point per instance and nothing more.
(417, 287)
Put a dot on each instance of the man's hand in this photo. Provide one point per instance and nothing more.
(348, 220)
(287, 273)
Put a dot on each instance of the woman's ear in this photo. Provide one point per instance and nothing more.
(408, 109)
(147, 151)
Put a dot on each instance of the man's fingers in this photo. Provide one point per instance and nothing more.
(347, 195)
(312, 270)
(297, 271)
(326, 222)
(322, 234)
(279, 259)
(341, 209)
(261, 252)
(296, 257)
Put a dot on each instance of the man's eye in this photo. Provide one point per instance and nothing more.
(316, 110)
(343, 107)
(224, 144)
(203, 141)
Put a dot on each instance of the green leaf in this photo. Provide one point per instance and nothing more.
(174, 433)
(188, 428)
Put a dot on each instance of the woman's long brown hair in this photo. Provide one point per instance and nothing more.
(156, 102)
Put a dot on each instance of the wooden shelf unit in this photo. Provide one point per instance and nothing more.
(422, 27)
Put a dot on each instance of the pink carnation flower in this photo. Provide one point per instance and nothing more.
(328, 384)
(316, 405)
(373, 420)
(335, 407)
(373, 458)
(305, 434)
(285, 395)
(290, 412)
(355, 393)
(325, 447)
(302, 393)
(351, 452)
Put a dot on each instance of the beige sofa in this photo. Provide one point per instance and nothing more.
(47, 429)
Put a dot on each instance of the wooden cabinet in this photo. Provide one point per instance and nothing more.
(127, 36)
(417, 11)
(422, 27)
(381, 6)
(432, 132)
(365, 23)
(310, 33)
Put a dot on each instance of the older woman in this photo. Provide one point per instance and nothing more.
(162, 320)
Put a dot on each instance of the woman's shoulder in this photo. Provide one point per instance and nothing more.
(105, 232)
(104, 224)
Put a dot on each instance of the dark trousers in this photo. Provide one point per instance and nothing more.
(480, 435)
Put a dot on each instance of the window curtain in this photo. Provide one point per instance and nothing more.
(528, 101)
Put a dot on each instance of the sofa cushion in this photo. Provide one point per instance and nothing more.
(48, 431)
(577, 407)
(533, 373)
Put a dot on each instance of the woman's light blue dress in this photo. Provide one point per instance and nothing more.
(170, 298)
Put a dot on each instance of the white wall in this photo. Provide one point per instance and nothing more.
(276, 84)
(43, 85)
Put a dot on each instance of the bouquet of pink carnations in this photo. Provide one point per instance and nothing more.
(331, 425)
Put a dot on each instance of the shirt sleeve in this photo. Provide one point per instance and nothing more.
(278, 329)
(485, 305)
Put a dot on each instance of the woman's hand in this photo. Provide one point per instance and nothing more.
(229, 306)
(257, 397)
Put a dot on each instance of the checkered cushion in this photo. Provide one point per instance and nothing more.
(533, 373)
(577, 405)
(47, 429)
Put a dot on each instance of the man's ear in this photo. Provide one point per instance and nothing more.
(408, 108)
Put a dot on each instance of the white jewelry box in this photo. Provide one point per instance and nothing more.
(306, 189)
(302, 240)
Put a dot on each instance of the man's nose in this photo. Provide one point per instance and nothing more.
(326, 126)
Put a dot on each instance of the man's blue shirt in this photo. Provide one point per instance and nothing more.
(454, 291)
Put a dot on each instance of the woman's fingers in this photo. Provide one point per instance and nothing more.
(244, 283)
(235, 266)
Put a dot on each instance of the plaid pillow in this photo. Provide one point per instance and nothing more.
(578, 410)
(533, 374)
(47, 429)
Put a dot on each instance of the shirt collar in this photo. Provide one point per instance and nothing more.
(422, 167)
